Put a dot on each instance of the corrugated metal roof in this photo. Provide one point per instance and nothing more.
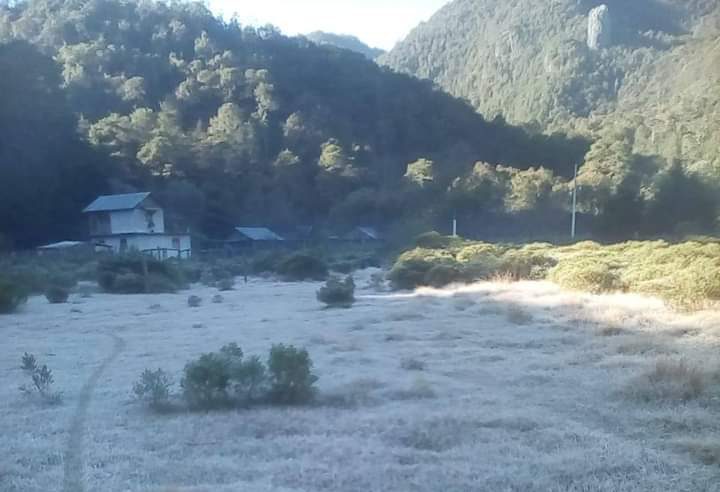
(108, 203)
(370, 232)
(259, 233)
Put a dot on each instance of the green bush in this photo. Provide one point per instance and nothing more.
(126, 275)
(435, 240)
(12, 295)
(442, 275)
(291, 378)
(206, 381)
(153, 387)
(300, 266)
(223, 379)
(56, 294)
(337, 293)
(590, 276)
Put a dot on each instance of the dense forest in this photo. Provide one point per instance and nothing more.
(229, 124)
(649, 97)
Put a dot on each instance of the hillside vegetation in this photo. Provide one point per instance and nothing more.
(647, 99)
(227, 123)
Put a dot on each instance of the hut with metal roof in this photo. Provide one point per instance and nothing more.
(134, 221)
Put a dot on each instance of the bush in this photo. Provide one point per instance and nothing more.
(291, 375)
(57, 295)
(206, 381)
(12, 295)
(42, 380)
(337, 293)
(194, 301)
(435, 240)
(154, 388)
(226, 284)
(442, 275)
(299, 267)
(224, 378)
(591, 276)
(126, 275)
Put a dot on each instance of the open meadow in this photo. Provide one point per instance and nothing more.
(491, 386)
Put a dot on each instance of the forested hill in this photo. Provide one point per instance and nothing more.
(346, 42)
(640, 77)
(228, 124)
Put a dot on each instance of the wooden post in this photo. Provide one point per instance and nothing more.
(574, 205)
(145, 273)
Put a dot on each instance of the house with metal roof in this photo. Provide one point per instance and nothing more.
(134, 221)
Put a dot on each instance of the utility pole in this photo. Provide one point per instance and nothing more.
(574, 204)
(454, 223)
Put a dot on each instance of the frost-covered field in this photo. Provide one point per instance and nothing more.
(524, 388)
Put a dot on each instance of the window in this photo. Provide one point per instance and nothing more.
(176, 243)
(123, 245)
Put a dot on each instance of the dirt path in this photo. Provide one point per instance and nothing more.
(73, 459)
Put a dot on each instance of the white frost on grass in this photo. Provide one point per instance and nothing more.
(499, 405)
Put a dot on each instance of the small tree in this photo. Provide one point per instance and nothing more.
(338, 293)
(42, 379)
(154, 388)
(291, 375)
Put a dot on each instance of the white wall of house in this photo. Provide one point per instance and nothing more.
(136, 220)
(142, 242)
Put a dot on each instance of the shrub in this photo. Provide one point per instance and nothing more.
(337, 293)
(291, 375)
(42, 380)
(12, 295)
(29, 362)
(218, 299)
(126, 275)
(226, 284)
(249, 380)
(266, 262)
(224, 378)
(56, 294)
(435, 240)
(206, 381)
(153, 387)
(194, 301)
(442, 275)
(586, 275)
(299, 267)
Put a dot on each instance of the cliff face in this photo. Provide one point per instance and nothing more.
(599, 28)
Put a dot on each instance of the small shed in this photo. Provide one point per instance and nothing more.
(254, 236)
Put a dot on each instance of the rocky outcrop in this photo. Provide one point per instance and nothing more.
(599, 28)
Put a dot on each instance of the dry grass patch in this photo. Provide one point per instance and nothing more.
(705, 451)
(420, 389)
(610, 331)
(412, 364)
(518, 316)
(669, 380)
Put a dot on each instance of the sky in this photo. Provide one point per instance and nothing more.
(379, 23)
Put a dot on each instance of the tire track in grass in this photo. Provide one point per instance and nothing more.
(73, 459)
